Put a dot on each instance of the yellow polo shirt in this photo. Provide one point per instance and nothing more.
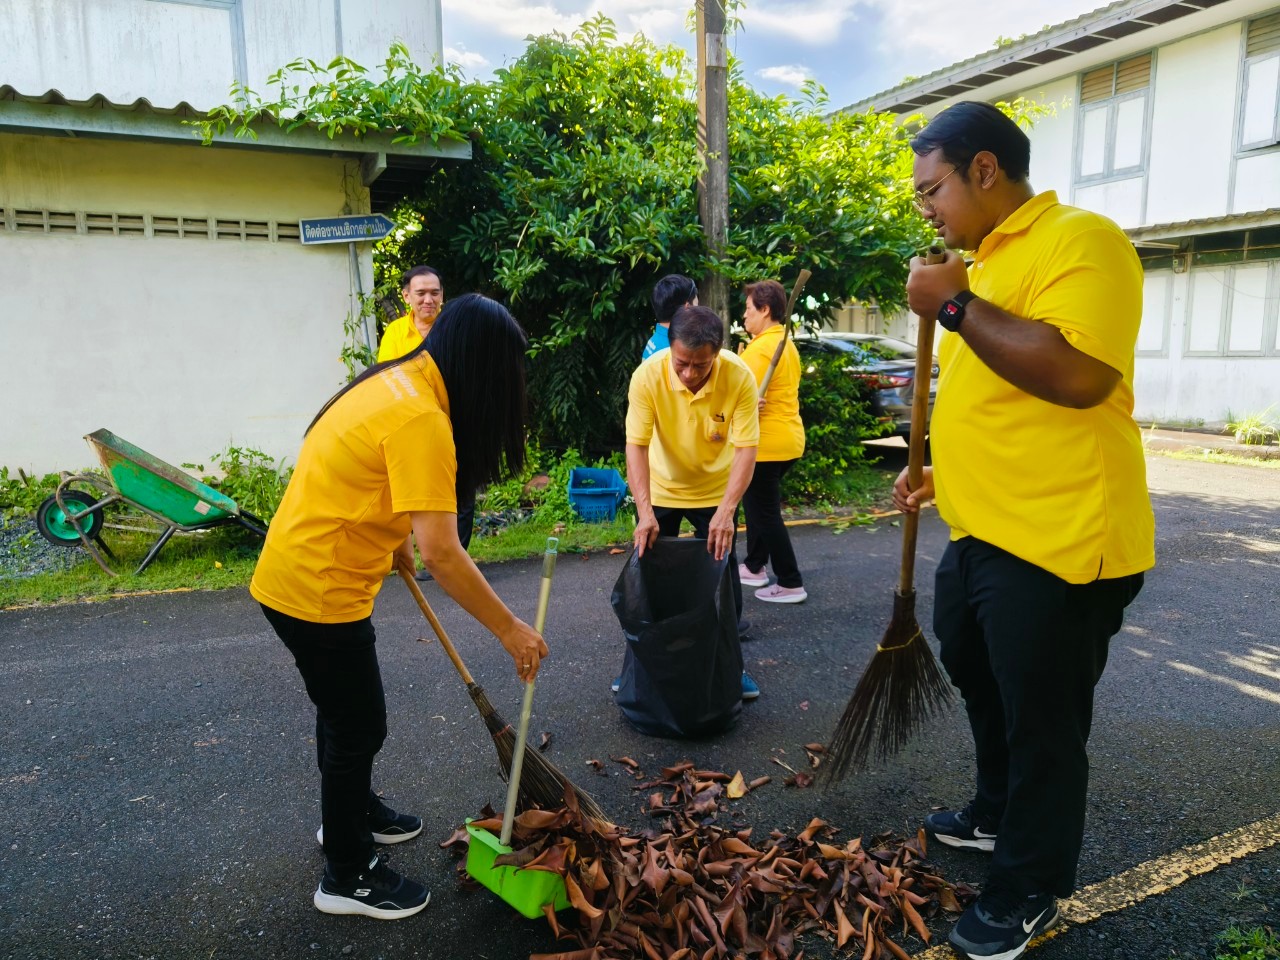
(399, 337)
(383, 450)
(781, 429)
(1061, 488)
(691, 436)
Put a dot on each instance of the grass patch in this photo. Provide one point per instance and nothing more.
(530, 539)
(211, 560)
(1205, 455)
(1256, 943)
(225, 557)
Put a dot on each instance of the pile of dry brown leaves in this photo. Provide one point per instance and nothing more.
(689, 889)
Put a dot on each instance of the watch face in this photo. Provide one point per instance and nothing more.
(951, 309)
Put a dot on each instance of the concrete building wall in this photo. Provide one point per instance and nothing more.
(180, 345)
(1191, 126)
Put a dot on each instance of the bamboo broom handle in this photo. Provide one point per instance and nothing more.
(406, 575)
(919, 426)
(526, 708)
(801, 280)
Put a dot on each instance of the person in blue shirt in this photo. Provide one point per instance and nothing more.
(669, 294)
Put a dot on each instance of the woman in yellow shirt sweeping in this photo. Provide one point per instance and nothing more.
(381, 458)
(781, 445)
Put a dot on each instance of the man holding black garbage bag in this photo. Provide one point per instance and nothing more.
(692, 431)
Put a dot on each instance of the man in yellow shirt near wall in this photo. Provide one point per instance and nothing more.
(1039, 471)
(692, 431)
(423, 293)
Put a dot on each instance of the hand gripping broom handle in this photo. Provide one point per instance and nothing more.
(406, 574)
(786, 329)
(526, 708)
(919, 426)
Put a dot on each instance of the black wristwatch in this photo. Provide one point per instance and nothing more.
(951, 313)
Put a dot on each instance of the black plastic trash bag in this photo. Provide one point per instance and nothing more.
(682, 673)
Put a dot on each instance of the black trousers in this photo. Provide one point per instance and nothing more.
(1026, 650)
(669, 526)
(767, 537)
(339, 666)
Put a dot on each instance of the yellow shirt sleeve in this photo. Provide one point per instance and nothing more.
(425, 440)
(744, 425)
(640, 405)
(757, 357)
(1095, 297)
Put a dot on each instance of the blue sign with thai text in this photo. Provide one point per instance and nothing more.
(353, 229)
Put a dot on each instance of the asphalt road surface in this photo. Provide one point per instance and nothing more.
(158, 794)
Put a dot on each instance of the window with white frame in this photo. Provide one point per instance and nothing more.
(1260, 84)
(1157, 304)
(1233, 311)
(1112, 139)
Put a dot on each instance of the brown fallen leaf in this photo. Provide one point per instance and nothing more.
(736, 787)
(597, 766)
(615, 551)
(758, 782)
(804, 704)
(801, 780)
(815, 748)
(626, 762)
(544, 741)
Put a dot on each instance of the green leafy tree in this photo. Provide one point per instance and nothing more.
(582, 192)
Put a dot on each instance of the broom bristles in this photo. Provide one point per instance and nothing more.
(902, 687)
(541, 784)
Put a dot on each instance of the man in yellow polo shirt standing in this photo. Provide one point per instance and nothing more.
(1039, 471)
(423, 293)
(692, 432)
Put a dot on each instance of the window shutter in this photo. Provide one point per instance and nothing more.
(1134, 74)
(1264, 36)
(1097, 84)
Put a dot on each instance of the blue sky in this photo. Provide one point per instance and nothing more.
(854, 48)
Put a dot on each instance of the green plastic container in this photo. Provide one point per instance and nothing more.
(525, 890)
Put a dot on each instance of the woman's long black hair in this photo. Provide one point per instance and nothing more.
(479, 349)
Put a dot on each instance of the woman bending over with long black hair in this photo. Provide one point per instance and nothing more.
(385, 456)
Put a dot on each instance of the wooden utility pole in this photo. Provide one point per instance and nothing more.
(713, 148)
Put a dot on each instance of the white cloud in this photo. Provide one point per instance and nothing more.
(514, 18)
(810, 22)
(929, 34)
(466, 59)
(793, 75)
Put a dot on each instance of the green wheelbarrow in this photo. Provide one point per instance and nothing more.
(74, 517)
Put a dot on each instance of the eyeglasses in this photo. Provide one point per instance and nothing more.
(924, 197)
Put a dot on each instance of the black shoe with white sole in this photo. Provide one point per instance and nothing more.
(999, 925)
(377, 892)
(386, 825)
(960, 828)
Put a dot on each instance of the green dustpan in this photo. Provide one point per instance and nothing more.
(528, 891)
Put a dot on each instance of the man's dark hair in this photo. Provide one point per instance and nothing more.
(697, 327)
(479, 349)
(670, 294)
(966, 129)
(768, 294)
(422, 271)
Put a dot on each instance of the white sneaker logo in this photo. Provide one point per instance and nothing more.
(982, 834)
(1029, 925)
(363, 892)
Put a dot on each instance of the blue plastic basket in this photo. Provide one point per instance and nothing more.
(595, 493)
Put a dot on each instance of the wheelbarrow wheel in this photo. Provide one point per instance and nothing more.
(57, 527)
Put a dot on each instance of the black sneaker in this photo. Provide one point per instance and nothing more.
(386, 825)
(998, 926)
(391, 827)
(960, 828)
(378, 892)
